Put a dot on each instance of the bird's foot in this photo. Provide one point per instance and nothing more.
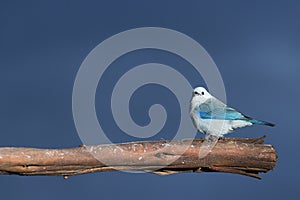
(207, 145)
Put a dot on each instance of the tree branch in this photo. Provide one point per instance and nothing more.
(231, 155)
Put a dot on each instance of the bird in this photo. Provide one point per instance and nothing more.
(212, 117)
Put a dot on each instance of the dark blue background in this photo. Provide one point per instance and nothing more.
(255, 45)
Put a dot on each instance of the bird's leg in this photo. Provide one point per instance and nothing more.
(211, 138)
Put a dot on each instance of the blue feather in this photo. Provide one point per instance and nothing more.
(255, 121)
(225, 114)
(214, 109)
(230, 114)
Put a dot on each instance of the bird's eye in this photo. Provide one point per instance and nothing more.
(202, 93)
(196, 93)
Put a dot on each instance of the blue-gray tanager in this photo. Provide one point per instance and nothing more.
(213, 118)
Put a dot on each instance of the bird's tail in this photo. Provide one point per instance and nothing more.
(255, 121)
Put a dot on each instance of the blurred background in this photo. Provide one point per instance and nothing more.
(255, 44)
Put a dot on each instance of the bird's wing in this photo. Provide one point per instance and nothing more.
(215, 109)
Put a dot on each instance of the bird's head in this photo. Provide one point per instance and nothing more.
(200, 95)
